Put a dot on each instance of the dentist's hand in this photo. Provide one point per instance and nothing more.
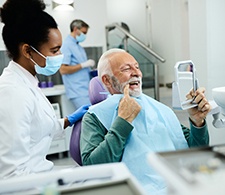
(77, 115)
(88, 63)
(128, 107)
(198, 113)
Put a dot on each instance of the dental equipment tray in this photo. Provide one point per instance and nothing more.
(191, 170)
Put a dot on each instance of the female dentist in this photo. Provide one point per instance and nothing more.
(27, 119)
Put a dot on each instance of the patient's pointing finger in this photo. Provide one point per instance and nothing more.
(126, 90)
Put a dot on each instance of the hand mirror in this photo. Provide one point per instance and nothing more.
(185, 80)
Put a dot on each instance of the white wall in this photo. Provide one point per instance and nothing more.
(91, 11)
(207, 29)
(131, 12)
(190, 29)
(163, 25)
(207, 41)
(170, 34)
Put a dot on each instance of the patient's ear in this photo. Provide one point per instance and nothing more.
(106, 80)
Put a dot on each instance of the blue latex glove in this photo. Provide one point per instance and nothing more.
(78, 114)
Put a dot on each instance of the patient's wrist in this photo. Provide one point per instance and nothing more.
(198, 123)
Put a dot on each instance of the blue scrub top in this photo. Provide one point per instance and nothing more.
(76, 84)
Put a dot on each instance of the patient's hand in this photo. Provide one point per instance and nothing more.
(128, 107)
(198, 114)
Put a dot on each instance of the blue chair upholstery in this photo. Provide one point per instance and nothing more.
(97, 93)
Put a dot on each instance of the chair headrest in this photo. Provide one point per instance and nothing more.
(97, 92)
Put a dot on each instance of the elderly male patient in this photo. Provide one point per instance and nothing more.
(129, 124)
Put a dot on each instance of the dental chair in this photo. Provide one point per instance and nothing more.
(97, 93)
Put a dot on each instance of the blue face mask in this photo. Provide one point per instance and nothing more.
(81, 37)
(52, 64)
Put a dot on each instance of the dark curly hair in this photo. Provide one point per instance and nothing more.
(25, 22)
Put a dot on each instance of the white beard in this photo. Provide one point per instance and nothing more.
(120, 86)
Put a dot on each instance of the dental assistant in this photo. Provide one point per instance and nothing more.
(27, 120)
(75, 69)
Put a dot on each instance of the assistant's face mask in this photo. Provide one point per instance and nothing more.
(81, 37)
(52, 64)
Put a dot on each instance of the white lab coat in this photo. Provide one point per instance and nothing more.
(27, 124)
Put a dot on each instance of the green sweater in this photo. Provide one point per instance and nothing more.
(99, 145)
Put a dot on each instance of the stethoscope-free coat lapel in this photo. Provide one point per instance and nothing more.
(48, 109)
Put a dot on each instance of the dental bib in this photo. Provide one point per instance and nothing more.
(156, 129)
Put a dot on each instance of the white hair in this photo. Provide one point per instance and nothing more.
(104, 66)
